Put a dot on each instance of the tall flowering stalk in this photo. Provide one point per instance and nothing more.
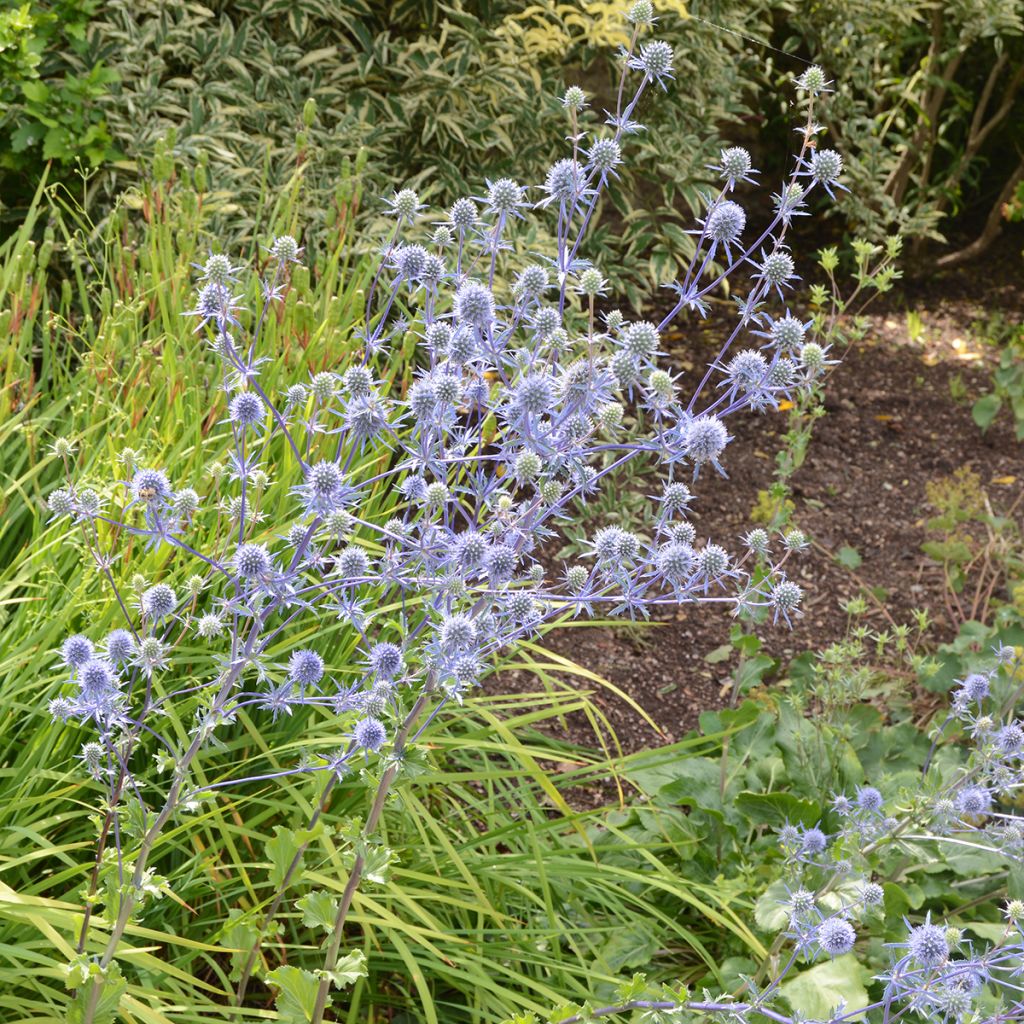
(516, 417)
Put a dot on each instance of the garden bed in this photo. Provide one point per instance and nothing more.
(898, 417)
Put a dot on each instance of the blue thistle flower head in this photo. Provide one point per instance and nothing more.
(604, 155)
(974, 801)
(61, 502)
(246, 409)
(369, 734)
(159, 601)
(655, 61)
(813, 841)
(474, 305)
(120, 646)
(565, 184)
(386, 660)
(285, 249)
(676, 561)
(928, 945)
(735, 166)
(814, 81)
(534, 394)
(836, 936)
(410, 261)
(869, 799)
(76, 651)
(252, 561)
(151, 486)
(463, 215)
(96, 677)
(505, 197)
(404, 205)
(704, 441)
(305, 667)
(824, 168)
(725, 222)
(532, 282)
(784, 599)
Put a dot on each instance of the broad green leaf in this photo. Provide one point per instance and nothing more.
(777, 809)
(817, 992)
(296, 993)
(631, 946)
(986, 409)
(848, 557)
(319, 910)
(722, 653)
(770, 911)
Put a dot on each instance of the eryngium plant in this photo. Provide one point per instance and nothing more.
(515, 419)
(830, 904)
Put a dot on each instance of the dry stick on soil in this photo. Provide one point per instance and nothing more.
(860, 582)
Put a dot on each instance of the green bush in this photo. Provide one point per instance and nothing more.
(436, 97)
(50, 93)
(929, 104)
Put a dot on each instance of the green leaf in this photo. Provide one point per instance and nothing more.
(281, 849)
(849, 557)
(986, 409)
(816, 993)
(777, 808)
(377, 864)
(35, 92)
(770, 911)
(632, 989)
(629, 947)
(753, 671)
(350, 968)
(55, 144)
(319, 910)
(296, 993)
(560, 1013)
(722, 653)
(105, 1011)
(25, 135)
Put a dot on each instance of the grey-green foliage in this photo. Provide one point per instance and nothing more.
(441, 96)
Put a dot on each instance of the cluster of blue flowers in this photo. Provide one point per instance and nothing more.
(937, 972)
(524, 402)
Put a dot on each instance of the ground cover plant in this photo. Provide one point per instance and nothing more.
(264, 779)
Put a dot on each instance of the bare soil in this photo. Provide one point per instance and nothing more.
(898, 415)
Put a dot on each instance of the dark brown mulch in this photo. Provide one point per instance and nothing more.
(892, 425)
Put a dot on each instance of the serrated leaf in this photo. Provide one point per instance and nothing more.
(632, 989)
(281, 849)
(106, 1006)
(849, 557)
(296, 993)
(350, 968)
(377, 864)
(560, 1013)
(319, 910)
